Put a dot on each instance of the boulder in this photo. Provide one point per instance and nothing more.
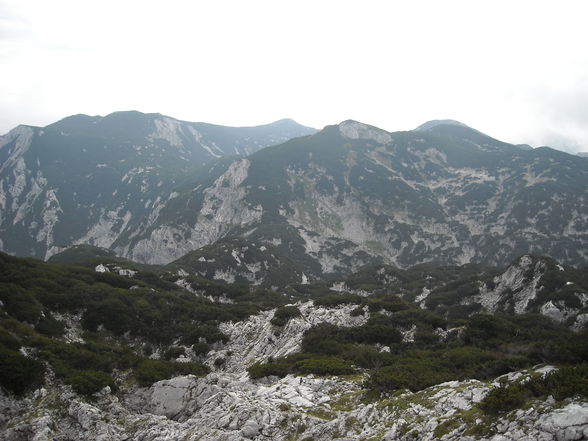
(250, 429)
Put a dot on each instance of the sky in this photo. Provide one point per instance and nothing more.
(515, 70)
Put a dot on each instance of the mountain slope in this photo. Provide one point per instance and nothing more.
(353, 194)
(328, 203)
(529, 284)
(88, 179)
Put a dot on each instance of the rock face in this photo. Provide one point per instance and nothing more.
(227, 405)
(256, 339)
(534, 284)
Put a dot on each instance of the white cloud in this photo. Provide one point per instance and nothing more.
(511, 69)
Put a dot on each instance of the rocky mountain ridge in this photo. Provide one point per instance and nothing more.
(353, 195)
(325, 204)
(88, 179)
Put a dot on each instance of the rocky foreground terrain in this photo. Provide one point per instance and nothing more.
(227, 405)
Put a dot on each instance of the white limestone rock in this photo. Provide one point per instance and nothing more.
(256, 339)
(568, 423)
(171, 397)
(250, 429)
(356, 130)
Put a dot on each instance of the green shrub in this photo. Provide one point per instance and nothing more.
(75, 356)
(465, 357)
(370, 334)
(332, 300)
(115, 280)
(189, 368)
(173, 352)
(499, 366)
(20, 303)
(324, 366)
(151, 371)
(258, 370)
(147, 350)
(411, 317)
(283, 314)
(201, 348)
(390, 303)
(504, 399)
(367, 356)
(409, 373)
(207, 332)
(112, 313)
(8, 340)
(324, 339)
(50, 326)
(564, 383)
(425, 337)
(155, 281)
(90, 382)
(328, 339)
(18, 373)
(487, 331)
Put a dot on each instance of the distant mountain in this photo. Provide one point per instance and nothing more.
(80, 254)
(87, 179)
(320, 205)
(354, 194)
(429, 125)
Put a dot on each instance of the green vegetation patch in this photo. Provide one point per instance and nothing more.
(567, 382)
(487, 347)
(19, 373)
(283, 314)
(115, 311)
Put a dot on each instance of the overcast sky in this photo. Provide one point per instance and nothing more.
(516, 70)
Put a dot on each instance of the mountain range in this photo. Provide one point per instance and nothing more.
(323, 204)
(89, 179)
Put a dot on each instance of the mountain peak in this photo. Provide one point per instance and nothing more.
(355, 130)
(285, 121)
(457, 130)
(289, 123)
(439, 122)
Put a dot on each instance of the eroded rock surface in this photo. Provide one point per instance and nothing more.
(227, 405)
